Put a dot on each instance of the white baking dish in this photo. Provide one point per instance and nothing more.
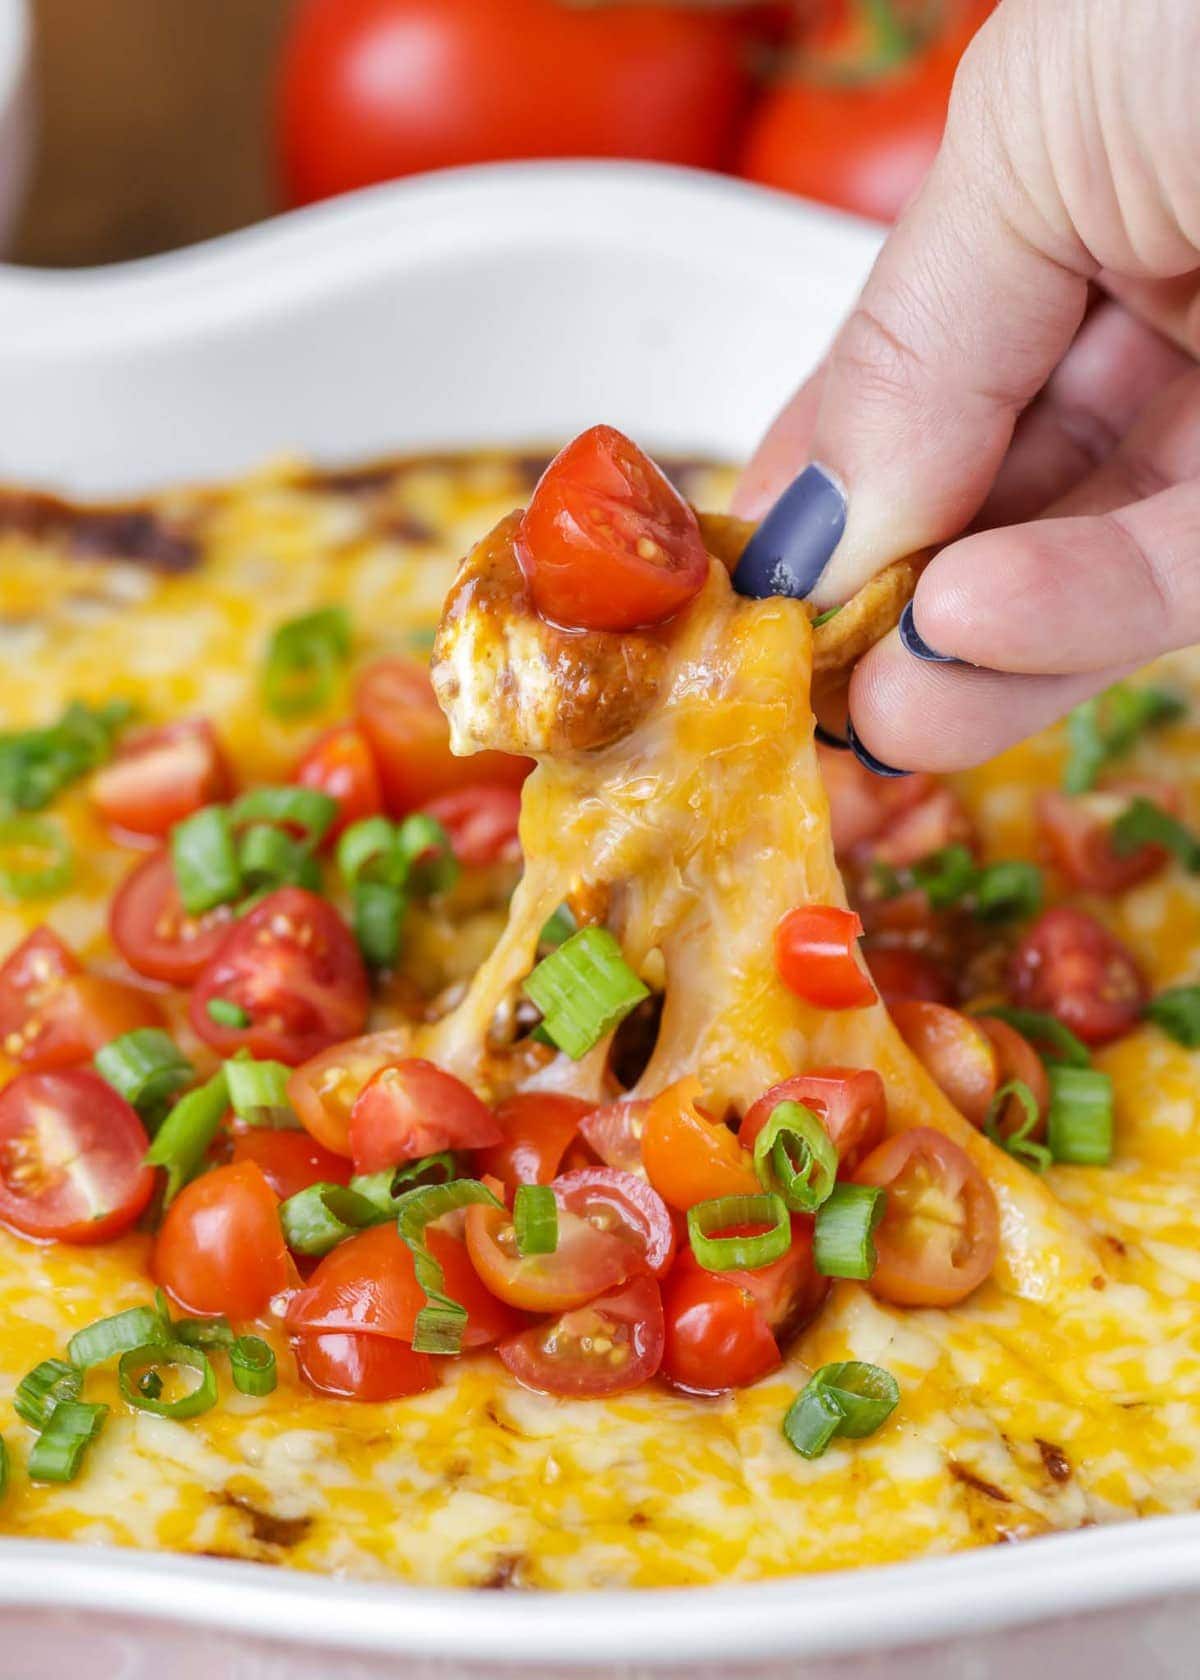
(511, 305)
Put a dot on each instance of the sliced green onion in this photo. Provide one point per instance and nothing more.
(269, 857)
(45, 1387)
(186, 1135)
(1079, 1126)
(432, 865)
(1177, 1012)
(57, 1454)
(303, 657)
(35, 858)
(37, 764)
(257, 1090)
(203, 1332)
(795, 1155)
(739, 1253)
(850, 1399)
(824, 617)
(415, 854)
(441, 1321)
(368, 850)
(205, 860)
(321, 1216)
(1008, 889)
(1106, 727)
(378, 916)
(103, 1340)
(156, 1357)
(995, 892)
(1056, 1044)
(1144, 823)
(843, 1245)
(535, 1219)
(147, 1068)
(383, 1189)
(285, 806)
(252, 1363)
(226, 1013)
(946, 876)
(558, 927)
(1021, 1144)
(584, 990)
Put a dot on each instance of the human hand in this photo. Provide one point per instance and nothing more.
(970, 386)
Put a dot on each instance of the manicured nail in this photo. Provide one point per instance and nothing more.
(867, 758)
(828, 739)
(795, 542)
(912, 642)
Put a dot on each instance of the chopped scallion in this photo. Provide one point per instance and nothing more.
(303, 657)
(321, 1216)
(441, 1321)
(794, 1155)
(35, 858)
(157, 1357)
(307, 810)
(1021, 1143)
(379, 911)
(226, 1013)
(561, 925)
(147, 1068)
(45, 1387)
(717, 1253)
(185, 1136)
(204, 857)
(1177, 1012)
(37, 764)
(584, 990)
(1007, 890)
(1105, 728)
(103, 1340)
(535, 1219)
(269, 857)
(1079, 1127)
(252, 1363)
(1056, 1044)
(1143, 823)
(203, 1332)
(851, 1399)
(57, 1454)
(258, 1091)
(843, 1245)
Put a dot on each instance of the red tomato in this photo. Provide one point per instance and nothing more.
(1017, 1059)
(293, 967)
(536, 1129)
(324, 1089)
(860, 803)
(900, 972)
(367, 1285)
(372, 89)
(788, 1291)
(30, 980)
(611, 1345)
(342, 765)
(586, 1262)
(220, 1248)
(482, 823)
(607, 542)
(814, 954)
(940, 1233)
(70, 1157)
(160, 776)
(689, 1158)
(955, 1053)
(923, 828)
(154, 933)
(717, 1336)
(414, 1109)
(627, 1206)
(615, 1134)
(290, 1161)
(1068, 965)
(368, 1368)
(850, 1103)
(398, 713)
(1077, 835)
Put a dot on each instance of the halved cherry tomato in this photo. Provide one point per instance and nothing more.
(1070, 966)
(689, 1158)
(397, 711)
(367, 1368)
(940, 1233)
(536, 1129)
(922, 828)
(290, 1161)
(30, 980)
(901, 972)
(368, 1285)
(607, 542)
(850, 1103)
(717, 1336)
(954, 1051)
(324, 1089)
(70, 1157)
(152, 930)
(414, 1109)
(1077, 834)
(586, 1262)
(861, 805)
(220, 1248)
(609, 1346)
(482, 823)
(814, 954)
(293, 967)
(160, 776)
(1016, 1059)
(341, 764)
(618, 1202)
(788, 1291)
(614, 1132)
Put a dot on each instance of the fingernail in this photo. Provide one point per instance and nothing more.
(912, 642)
(795, 542)
(867, 758)
(829, 739)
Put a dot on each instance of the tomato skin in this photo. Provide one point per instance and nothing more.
(220, 1248)
(323, 1089)
(154, 933)
(586, 1263)
(1070, 966)
(1076, 834)
(372, 89)
(414, 1109)
(30, 979)
(1017, 1059)
(160, 776)
(850, 1103)
(562, 1357)
(926, 826)
(536, 1129)
(689, 1158)
(290, 1161)
(397, 711)
(899, 972)
(614, 1133)
(861, 804)
(911, 1272)
(366, 1368)
(293, 966)
(954, 1051)
(717, 1336)
(617, 1201)
(607, 542)
(86, 1122)
(341, 764)
(814, 947)
(482, 823)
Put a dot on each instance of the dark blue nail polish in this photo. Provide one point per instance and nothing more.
(867, 758)
(828, 739)
(912, 642)
(795, 542)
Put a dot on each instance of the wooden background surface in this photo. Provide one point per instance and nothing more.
(153, 125)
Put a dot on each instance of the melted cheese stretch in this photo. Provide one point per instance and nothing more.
(1017, 1415)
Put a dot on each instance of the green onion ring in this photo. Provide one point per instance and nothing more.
(794, 1155)
(33, 836)
(724, 1254)
(441, 1321)
(153, 1357)
(252, 1363)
